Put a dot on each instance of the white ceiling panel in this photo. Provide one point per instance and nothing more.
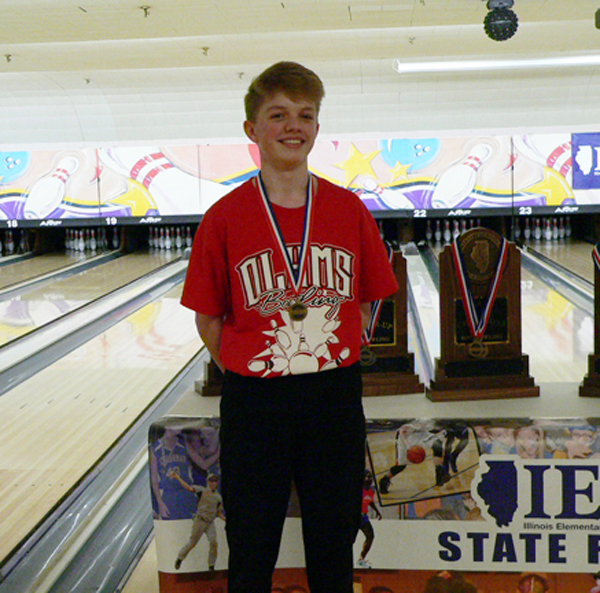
(179, 68)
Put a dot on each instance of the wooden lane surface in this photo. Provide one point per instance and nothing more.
(19, 316)
(144, 578)
(59, 423)
(27, 269)
(556, 334)
(572, 254)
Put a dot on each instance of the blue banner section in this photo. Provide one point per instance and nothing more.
(586, 161)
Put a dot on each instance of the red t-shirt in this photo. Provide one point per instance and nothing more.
(237, 271)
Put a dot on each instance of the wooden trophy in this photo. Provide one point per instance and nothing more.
(213, 380)
(387, 366)
(480, 354)
(591, 382)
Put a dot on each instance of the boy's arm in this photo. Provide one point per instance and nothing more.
(210, 329)
(365, 315)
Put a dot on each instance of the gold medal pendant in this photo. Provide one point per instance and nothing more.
(298, 311)
(478, 349)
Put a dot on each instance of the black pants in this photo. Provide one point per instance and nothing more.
(306, 428)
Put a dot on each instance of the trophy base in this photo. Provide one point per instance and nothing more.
(463, 380)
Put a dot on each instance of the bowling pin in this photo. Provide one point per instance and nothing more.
(568, 229)
(47, 193)
(168, 242)
(463, 225)
(188, 237)
(173, 190)
(438, 231)
(428, 232)
(527, 230)
(10, 245)
(537, 230)
(93, 242)
(548, 230)
(331, 364)
(0, 245)
(457, 182)
(281, 337)
(276, 364)
(447, 233)
(554, 229)
(549, 150)
(455, 229)
(178, 240)
(516, 229)
(561, 228)
(115, 239)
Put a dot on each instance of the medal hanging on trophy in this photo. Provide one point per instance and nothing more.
(478, 319)
(297, 310)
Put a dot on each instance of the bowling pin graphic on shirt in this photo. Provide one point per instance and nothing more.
(48, 192)
(457, 182)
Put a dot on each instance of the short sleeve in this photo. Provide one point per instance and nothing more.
(206, 287)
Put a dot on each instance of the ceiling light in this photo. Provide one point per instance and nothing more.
(501, 22)
(479, 65)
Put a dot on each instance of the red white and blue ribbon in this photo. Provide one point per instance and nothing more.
(478, 319)
(295, 273)
(596, 255)
(376, 306)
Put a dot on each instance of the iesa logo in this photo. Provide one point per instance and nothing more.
(535, 510)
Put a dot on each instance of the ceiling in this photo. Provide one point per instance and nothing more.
(222, 44)
(89, 35)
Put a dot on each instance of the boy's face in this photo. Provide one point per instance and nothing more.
(284, 131)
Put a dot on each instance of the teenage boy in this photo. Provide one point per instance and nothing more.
(281, 276)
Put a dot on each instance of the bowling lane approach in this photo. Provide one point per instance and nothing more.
(59, 423)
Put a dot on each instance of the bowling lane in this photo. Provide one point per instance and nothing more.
(60, 422)
(26, 269)
(572, 254)
(26, 312)
(556, 334)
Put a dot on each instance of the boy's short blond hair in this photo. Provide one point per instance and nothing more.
(289, 78)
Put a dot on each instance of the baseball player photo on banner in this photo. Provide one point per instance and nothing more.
(469, 506)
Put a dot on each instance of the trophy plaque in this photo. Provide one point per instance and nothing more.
(591, 382)
(386, 364)
(480, 321)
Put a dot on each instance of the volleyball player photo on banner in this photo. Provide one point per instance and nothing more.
(420, 459)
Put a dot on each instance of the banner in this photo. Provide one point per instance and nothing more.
(510, 505)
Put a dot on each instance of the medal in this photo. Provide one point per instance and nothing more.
(298, 310)
(478, 349)
(478, 320)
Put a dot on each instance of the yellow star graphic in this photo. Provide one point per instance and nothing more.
(400, 171)
(137, 198)
(553, 187)
(357, 164)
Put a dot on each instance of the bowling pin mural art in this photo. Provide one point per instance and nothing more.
(40, 185)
